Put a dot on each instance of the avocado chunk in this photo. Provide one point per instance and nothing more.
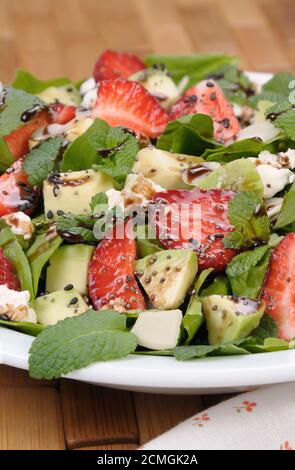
(67, 95)
(59, 305)
(69, 266)
(164, 168)
(238, 175)
(156, 329)
(72, 191)
(166, 276)
(229, 318)
(159, 83)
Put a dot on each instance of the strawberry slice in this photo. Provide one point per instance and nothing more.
(195, 220)
(110, 277)
(7, 275)
(61, 114)
(208, 98)
(122, 102)
(113, 64)
(16, 194)
(18, 140)
(278, 291)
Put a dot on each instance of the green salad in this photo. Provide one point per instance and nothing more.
(148, 210)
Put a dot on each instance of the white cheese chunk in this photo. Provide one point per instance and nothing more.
(20, 224)
(15, 305)
(158, 329)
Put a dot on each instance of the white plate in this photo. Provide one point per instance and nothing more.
(165, 374)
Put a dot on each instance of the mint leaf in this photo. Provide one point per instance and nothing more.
(267, 328)
(246, 272)
(98, 199)
(121, 148)
(282, 115)
(235, 84)
(27, 82)
(191, 135)
(109, 149)
(16, 103)
(277, 88)
(249, 217)
(14, 252)
(195, 67)
(82, 153)
(42, 160)
(76, 228)
(287, 212)
(79, 341)
(6, 158)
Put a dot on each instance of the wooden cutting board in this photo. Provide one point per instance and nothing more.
(64, 37)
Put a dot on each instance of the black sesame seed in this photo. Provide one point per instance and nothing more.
(60, 212)
(73, 301)
(49, 214)
(69, 287)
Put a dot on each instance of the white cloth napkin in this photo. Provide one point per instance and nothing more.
(263, 419)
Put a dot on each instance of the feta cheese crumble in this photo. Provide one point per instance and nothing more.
(14, 305)
(20, 224)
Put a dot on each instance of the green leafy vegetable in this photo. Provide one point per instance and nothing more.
(6, 158)
(79, 341)
(219, 286)
(247, 270)
(42, 160)
(79, 226)
(287, 212)
(195, 67)
(27, 82)
(97, 200)
(43, 247)
(14, 252)
(16, 103)
(193, 317)
(28, 328)
(241, 149)
(146, 243)
(277, 89)
(282, 115)
(191, 135)
(237, 87)
(109, 149)
(249, 217)
(267, 328)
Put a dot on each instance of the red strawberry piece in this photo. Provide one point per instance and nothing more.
(196, 220)
(208, 98)
(278, 291)
(110, 277)
(7, 275)
(18, 140)
(15, 192)
(61, 114)
(113, 64)
(122, 102)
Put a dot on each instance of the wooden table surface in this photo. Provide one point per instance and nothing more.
(64, 37)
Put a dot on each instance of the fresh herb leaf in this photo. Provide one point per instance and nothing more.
(282, 115)
(79, 341)
(277, 89)
(235, 84)
(247, 270)
(191, 135)
(287, 212)
(43, 247)
(195, 67)
(97, 200)
(193, 317)
(185, 353)
(122, 148)
(42, 160)
(16, 103)
(27, 82)
(28, 328)
(249, 217)
(14, 252)
(76, 228)
(6, 158)
(267, 328)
